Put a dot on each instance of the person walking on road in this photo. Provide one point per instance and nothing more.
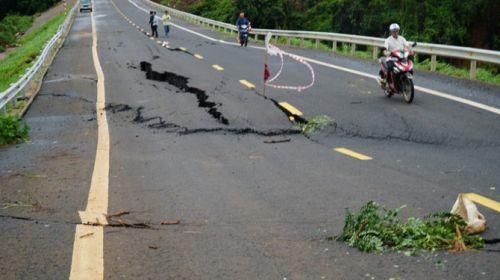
(154, 25)
(151, 18)
(166, 22)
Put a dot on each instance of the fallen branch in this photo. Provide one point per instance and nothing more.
(167, 223)
(277, 141)
(119, 214)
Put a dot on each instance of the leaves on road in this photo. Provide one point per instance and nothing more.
(375, 229)
(315, 124)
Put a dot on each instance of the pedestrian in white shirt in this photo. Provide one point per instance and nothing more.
(154, 25)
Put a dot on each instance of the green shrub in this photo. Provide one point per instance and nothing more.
(12, 25)
(6, 38)
(375, 229)
(315, 124)
(11, 130)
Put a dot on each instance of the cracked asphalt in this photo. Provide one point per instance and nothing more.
(188, 143)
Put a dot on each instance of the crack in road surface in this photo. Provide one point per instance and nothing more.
(181, 83)
(159, 123)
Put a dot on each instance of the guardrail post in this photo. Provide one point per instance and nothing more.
(334, 46)
(302, 42)
(317, 43)
(375, 52)
(433, 62)
(353, 49)
(276, 39)
(256, 37)
(288, 41)
(473, 69)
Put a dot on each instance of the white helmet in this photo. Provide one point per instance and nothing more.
(394, 27)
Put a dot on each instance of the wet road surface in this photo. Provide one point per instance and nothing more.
(187, 142)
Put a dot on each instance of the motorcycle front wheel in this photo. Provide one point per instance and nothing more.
(408, 90)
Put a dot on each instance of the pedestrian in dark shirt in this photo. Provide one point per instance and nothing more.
(151, 19)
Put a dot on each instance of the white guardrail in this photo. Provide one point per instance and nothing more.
(19, 86)
(434, 50)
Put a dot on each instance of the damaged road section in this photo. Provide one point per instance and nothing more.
(159, 123)
(181, 83)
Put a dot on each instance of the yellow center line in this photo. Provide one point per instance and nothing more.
(88, 250)
(198, 56)
(290, 108)
(217, 67)
(487, 202)
(353, 154)
(247, 84)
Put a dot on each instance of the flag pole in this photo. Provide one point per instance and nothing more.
(266, 57)
(265, 69)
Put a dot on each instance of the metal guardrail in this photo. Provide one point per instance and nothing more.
(19, 86)
(434, 50)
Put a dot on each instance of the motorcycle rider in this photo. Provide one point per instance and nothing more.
(242, 20)
(394, 42)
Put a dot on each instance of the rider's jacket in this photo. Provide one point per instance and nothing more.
(242, 21)
(392, 44)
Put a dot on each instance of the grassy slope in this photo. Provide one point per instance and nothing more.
(14, 65)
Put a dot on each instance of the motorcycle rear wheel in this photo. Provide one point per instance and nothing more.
(408, 90)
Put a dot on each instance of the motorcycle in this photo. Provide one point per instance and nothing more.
(244, 34)
(401, 81)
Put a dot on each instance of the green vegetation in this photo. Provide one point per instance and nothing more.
(375, 229)
(471, 23)
(16, 62)
(483, 74)
(11, 130)
(10, 27)
(25, 7)
(315, 124)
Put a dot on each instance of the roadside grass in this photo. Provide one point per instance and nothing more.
(11, 27)
(14, 65)
(12, 131)
(376, 229)
(482, 74)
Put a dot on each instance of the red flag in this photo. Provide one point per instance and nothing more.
(267, 74)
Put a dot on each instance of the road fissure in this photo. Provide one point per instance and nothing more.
(159, 123)
(182, 83)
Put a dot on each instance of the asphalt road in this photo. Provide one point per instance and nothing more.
(190, 147)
